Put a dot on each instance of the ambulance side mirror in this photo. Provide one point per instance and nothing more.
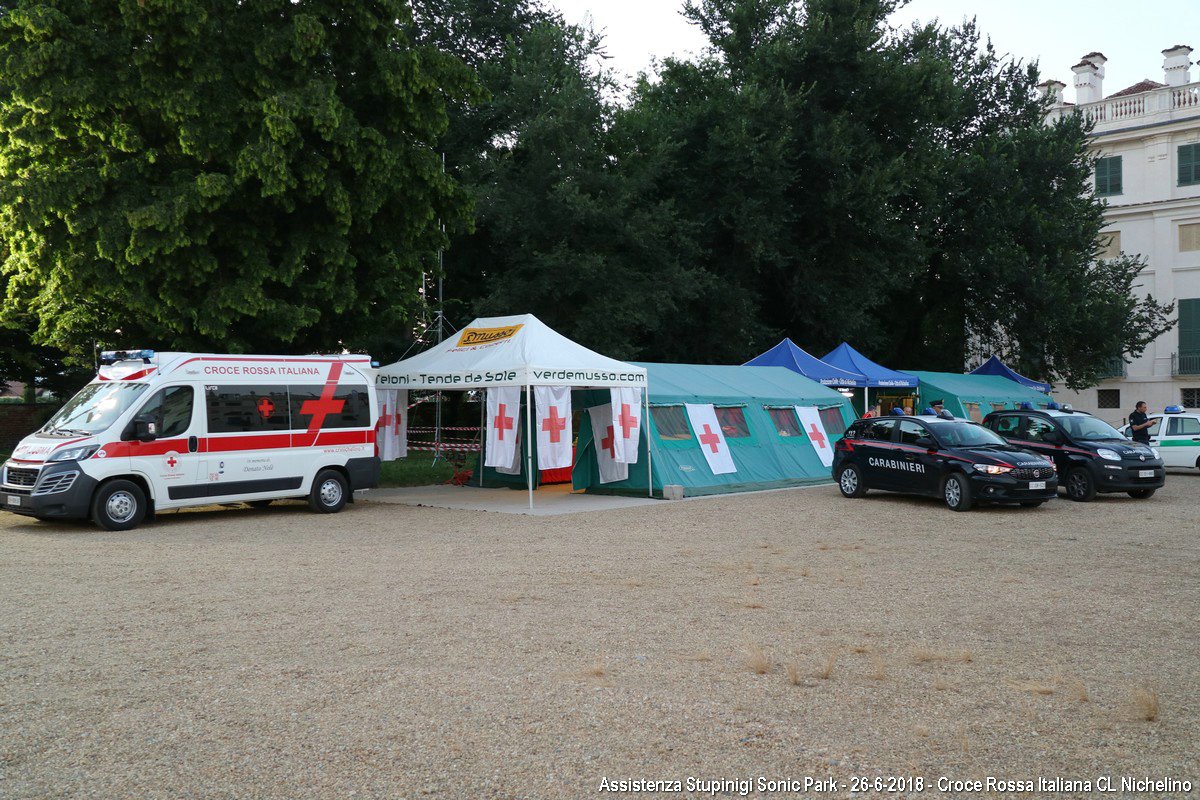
(145, 428)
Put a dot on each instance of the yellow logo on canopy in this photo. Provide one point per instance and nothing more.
(478, 336)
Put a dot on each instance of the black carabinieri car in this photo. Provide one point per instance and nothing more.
(1091, 455)
(940, 456)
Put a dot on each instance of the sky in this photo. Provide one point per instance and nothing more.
(1056, 33)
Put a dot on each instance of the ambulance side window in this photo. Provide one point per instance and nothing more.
(348, 407)
(172, 410)
(246, 409)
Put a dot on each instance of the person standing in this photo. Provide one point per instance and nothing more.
(1139, 423)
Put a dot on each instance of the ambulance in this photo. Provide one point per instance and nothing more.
(157, 431)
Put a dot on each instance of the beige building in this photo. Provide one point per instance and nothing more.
(1147, 137)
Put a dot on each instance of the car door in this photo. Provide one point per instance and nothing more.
(1042, 437)
(1179, 444)
(879, 449)
(924, 475)
(1006, 425)
(173, 459)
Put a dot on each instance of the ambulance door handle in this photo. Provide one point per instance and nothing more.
(193, 444)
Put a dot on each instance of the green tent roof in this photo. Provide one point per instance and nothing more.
(700, 383)
(986, 391)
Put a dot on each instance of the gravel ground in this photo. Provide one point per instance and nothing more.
(400, 652)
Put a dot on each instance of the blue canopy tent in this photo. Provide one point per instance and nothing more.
(847, 358)
(994, 366)
(787, 355)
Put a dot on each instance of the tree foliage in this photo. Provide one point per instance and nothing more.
(219, 174)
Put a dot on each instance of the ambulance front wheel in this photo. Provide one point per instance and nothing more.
(329, 492)
(119, 506)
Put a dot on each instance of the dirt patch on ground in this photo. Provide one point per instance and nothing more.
(392, 651)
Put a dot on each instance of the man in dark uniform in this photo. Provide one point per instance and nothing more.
(1139, 424)
(936, 405)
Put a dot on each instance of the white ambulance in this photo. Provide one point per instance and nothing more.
(1176, 434)
(156, 431)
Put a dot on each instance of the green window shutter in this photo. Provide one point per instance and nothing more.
(1189, 164)
(1108, 175)
(1189, 326)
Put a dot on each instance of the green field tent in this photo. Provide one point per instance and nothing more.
(756, 408)
(974, 396)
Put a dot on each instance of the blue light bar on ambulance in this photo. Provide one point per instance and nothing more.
(1173, 410)
(113, 356)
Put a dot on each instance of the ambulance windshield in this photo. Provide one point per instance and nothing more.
(94, 409)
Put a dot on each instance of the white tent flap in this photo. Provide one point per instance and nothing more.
(712, 439)
(554, 434)
(814, 429)
(627, 423)
(604, 439)
(503, 419)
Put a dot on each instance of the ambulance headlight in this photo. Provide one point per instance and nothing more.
(992, 469)
(1111, 455)
(75, 453)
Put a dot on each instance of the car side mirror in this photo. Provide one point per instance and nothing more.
(143, 428)
(927, 442)
(1052, 437)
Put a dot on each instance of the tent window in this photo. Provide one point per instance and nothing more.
(786, 422)
(998, 407)
(671, 422)
(733, 422)
(973, 412)
(832, 419)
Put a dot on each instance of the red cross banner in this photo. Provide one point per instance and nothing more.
(810, 421)
(712, 439)
(604, 435)
(554, 434)
(391, 432)
(627, 422)
(503, 421)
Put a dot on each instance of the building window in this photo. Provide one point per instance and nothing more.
(1189, 237)
(671, 422)
(1108, 398)
(733, 422)
(1189, 329)
(831, 418)
(1189, 164)
(1190, 398)
(1110, 245)
(1108, 176)
(786, 422)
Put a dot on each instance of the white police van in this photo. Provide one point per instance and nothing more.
(156, 431)
(1176, 435)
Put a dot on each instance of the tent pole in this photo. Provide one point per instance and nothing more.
(866, 400)
(529, 441)
(645, 422)
(482, 432)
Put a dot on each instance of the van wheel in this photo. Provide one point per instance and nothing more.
(329, 492)
(957, 493)
(1080, 486)
(850, 482)
(1141, 494)
(119, 506)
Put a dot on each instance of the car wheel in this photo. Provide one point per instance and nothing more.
(850, 482)
(259, 503)
(119, 506)
(1080, 486)
(1031, 503)
(1142, 494)
(956, 491)
(329, 492)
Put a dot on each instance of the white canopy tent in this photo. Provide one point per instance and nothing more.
(513, 351)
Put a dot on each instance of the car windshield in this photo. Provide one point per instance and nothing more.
(96, 407)
(964, 434)
(1088, 428)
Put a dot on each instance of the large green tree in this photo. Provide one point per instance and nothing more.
(220, 174)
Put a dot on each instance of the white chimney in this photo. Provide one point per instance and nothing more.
(1089, 78)
(1177, 65)
(1053, 89)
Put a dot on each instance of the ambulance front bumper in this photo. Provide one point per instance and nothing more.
(56, 490)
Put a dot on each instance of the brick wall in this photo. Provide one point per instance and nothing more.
(18, 420)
